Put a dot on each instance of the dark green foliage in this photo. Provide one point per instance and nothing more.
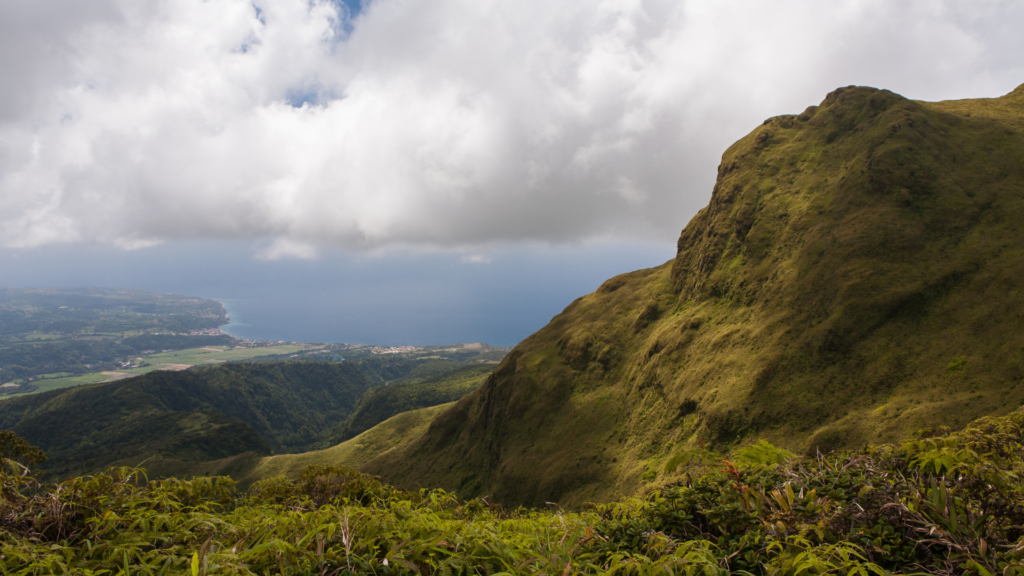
(17, 449)
(24, 359)
(92, 514)
(174, 420)
(391, 367)
(946, 504)
(160, 342)
(382, 402)
(321, 485)
(194, 415)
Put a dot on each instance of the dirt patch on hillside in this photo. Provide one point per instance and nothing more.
(173, 367)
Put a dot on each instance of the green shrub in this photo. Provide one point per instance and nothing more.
(950, 503)
(762, 453)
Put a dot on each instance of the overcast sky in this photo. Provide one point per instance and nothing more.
(302, 125)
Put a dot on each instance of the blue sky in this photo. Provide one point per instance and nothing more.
(354, 6)
(429, 158)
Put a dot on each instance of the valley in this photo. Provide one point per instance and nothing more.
(176, 420)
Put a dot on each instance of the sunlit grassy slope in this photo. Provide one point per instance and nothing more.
(249, 467)
(857, 275)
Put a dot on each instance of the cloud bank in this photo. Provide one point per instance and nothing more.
(450, 124)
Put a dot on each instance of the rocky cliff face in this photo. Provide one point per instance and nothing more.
(857, 275)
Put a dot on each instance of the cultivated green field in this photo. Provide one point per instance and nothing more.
(34, 337)
(45, 385)
(196, 356)
(191, 357)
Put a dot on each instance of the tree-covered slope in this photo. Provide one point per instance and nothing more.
(250, 467)
(856, 276)
(384, 418)
(194, 415)
(382, 402)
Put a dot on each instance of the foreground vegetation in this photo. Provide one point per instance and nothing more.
(940, 504)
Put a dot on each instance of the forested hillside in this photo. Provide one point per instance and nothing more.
(200, 414)
(411, 393)
(176, 421)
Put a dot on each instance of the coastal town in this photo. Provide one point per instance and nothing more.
(394, 349)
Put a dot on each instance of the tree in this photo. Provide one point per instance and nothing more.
(16, 449)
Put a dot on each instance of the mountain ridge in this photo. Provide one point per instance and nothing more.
(855, 276)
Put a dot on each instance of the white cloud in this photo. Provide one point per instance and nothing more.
(135, 243)
(442, 123)
(476, 259)
(285, 248)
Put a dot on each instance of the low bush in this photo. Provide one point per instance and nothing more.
(941, 503)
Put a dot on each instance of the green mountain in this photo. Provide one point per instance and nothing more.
(411, 393)
(230, 418)
(191, 416)
(386, 417)
(247, 468)
(857, 275)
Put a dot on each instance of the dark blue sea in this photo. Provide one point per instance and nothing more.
(415, 298)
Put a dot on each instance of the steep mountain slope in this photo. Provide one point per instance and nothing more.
(857, 275)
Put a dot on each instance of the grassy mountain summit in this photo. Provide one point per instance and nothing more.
(856, 276)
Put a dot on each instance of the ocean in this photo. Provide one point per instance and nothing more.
(401, 298)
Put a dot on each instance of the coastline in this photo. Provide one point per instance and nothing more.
(233, 316)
